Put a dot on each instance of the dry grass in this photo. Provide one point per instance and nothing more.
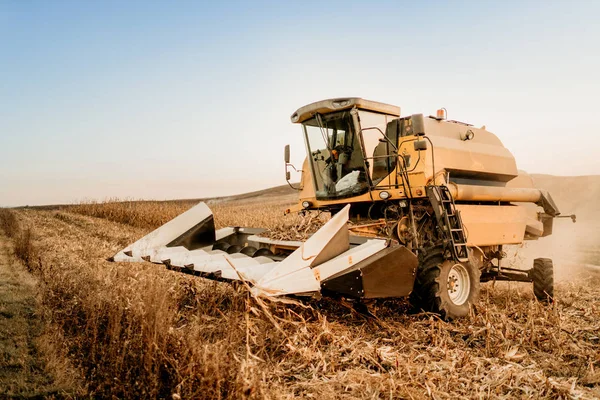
(31, 363)
(138, 213)
(138, 330)
(8, 223)
(21, 236)
(264, 213)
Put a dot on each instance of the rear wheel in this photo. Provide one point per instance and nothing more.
(445, 287)
(542, 276)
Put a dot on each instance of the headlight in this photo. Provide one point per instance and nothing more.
(306, 204)
(341, 103)
(384, 195)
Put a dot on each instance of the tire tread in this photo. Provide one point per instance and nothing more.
(542, 276)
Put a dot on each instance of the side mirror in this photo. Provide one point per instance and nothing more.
(288, 175)
(418, 124)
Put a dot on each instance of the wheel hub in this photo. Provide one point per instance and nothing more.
(459, 284)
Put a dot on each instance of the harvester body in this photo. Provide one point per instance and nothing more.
(385, 165)
(420, 206)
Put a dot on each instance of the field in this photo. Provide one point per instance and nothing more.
(139, 330)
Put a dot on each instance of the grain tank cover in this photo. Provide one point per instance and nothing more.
(345, 103)
(471, 155)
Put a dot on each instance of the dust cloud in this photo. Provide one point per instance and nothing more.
(573, 247)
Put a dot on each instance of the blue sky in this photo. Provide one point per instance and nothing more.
(191, 99)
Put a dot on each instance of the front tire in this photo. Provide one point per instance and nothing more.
(542, 276)
(445, 287)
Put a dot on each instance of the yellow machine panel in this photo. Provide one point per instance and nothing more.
(493, 225)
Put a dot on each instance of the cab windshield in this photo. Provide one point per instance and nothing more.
(336, 157)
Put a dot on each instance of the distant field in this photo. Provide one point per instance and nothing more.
(282, 191)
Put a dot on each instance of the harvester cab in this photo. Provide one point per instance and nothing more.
(349, 150)
(421, 207)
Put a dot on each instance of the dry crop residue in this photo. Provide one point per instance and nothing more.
(140, 330)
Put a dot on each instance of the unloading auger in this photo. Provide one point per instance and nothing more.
(330, 262)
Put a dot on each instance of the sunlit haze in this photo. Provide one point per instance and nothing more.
(163, 100)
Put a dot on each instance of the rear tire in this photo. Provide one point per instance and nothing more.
(542, 276)
(445, 287)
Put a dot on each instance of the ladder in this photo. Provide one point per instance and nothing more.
(449, 221)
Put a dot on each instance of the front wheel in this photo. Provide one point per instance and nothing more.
(445, 287)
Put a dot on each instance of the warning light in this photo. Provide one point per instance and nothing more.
(441, 113)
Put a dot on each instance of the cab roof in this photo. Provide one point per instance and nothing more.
(342, 103)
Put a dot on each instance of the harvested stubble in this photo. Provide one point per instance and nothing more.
(140, 330)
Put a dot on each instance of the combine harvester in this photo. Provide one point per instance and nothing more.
(431, 203)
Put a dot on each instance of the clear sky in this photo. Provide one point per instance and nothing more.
(174, 99)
